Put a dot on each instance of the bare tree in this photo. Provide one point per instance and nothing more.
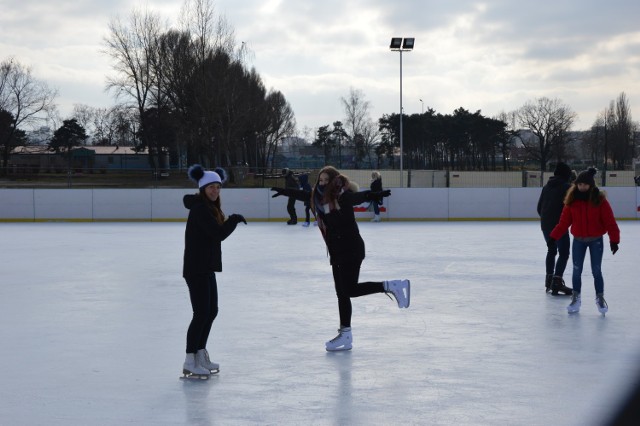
(133, 49)
(361, 130)
(85, 117)
(198, 18)
(282, 123)
(506, 144)
(26, 98)
(621, 134)
(550, 121)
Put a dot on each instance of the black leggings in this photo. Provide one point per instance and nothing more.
(345, 278)
(203, 292)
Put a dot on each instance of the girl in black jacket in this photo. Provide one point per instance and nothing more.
(205, 231)
(332, 200)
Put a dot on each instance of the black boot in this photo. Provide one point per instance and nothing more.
(547, 282)
(557, 286)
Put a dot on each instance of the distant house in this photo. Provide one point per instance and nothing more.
(38, 159)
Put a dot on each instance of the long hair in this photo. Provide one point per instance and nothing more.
(213, 206)
(595, 196)
(332, 172)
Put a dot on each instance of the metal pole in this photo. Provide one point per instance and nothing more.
(401, 141)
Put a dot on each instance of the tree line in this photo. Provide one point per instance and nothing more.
(465, 140)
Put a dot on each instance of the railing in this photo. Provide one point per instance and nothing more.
(243, 177)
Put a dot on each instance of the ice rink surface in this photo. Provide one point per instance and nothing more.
(93, 319)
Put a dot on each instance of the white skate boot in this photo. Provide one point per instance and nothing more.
(376, 218)
(401, 290)
(191, 370)
(601, 304)
(575, 304)
(202, 360)
(342, 342)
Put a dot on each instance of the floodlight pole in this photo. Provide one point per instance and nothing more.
(401, 141)
(400, 45)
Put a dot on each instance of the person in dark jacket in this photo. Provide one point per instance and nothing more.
(332, 200)
(305, 186)
(376, 186)
(206, 228)
(550, 206)
(291, 182)
(589, 215)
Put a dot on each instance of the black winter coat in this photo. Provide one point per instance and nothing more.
(339, 226)
(551, 203)
(203, 238)
(376, 186)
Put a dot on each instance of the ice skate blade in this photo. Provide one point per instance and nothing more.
(194, 377)
(187, 375)
(339, 349)
(214, 371)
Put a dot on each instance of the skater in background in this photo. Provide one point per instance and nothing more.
(332, 199)
(305, 186)
(589, 215)
(376, 186)
(290, 182)
(206, 228)
(550, 206)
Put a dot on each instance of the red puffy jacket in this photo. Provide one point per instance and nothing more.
(587, 220)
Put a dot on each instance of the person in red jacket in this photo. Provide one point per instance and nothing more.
(589, 215)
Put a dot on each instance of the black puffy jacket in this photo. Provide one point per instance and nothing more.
(341, 231)
(550, 203)
(203, 238)
(339, 227)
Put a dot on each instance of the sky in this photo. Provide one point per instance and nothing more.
(492, 56)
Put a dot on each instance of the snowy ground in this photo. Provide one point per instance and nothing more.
(93, 319)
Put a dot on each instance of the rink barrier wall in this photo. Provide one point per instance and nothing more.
(162, 205)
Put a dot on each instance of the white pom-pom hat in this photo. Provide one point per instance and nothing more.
(203, 177)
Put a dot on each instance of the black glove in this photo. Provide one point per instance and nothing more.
(551, 243)
(237, 218)
(614, 247)
(278, 192)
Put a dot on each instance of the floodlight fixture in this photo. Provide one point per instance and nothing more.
(396, 43)
(407, 43)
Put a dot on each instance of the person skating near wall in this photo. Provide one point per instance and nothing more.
(290, 182)
(550, 206)
(205, 230)
(589, 215)
(376, 186)
(332, 200)
(305, 186)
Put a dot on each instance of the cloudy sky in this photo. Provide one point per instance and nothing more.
(491, 55)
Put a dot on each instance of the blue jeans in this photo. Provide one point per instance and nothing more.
(562, 250)
(578, 253)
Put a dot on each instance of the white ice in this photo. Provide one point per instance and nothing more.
(93, 319)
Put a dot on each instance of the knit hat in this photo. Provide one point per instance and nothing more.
(203, 178)
(587, 177)
(562, 170)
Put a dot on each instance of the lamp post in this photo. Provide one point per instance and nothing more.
(399, 44)
(422, 102)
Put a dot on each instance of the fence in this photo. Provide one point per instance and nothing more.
(243, 177)
(257, 204)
